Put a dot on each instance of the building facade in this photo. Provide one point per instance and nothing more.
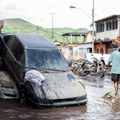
(81, 47)
(107, 30)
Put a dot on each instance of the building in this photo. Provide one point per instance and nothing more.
(1, 25)
(107, 30)
(80, 43)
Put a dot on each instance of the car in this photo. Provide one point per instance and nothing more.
(40, 71)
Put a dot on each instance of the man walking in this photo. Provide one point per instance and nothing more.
(114, 59)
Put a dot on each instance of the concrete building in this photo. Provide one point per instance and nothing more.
(82, 46)
(107, 30)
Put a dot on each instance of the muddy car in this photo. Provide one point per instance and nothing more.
(40, 71)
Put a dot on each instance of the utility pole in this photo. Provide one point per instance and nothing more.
(93, 28)
(91, 18)
(52, 34)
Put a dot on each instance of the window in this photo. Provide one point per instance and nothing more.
(100, 27)
(111, 25)
(19, 52)
(71, 50)
(11, 42)
(45, 59)
(115, 24)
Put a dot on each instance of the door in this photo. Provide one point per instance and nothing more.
(20, 62)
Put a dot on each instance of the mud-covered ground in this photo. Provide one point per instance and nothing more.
(97, 107)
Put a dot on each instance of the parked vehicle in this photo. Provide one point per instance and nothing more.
(76, 66)
(95, 67)
(40, 71)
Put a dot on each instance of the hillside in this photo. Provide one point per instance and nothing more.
(17, 25)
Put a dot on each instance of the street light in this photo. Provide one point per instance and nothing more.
(93, 28)
(73, 7)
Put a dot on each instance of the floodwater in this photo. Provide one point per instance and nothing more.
(97, 107)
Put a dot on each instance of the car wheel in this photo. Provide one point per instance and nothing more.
(22, 97)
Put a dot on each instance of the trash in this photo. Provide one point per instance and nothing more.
(34, 76)
(108, 95)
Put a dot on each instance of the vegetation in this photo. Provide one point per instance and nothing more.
(17, 25)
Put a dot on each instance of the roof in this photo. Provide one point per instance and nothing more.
(34, 41)
(102, 41)
(75, 34)
(107, 18)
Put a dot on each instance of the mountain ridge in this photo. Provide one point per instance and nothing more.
(18, 25)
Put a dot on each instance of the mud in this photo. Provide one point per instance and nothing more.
(97, 106)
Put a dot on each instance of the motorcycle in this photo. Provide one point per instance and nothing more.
(97, 67)
(76, 66)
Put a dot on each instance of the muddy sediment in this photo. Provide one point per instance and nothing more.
(97, 107)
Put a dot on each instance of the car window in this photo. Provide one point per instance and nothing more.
(19, 53)
(11, 42)
(46, 59)
(22, 59)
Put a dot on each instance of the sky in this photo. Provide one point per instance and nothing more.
(57, 13)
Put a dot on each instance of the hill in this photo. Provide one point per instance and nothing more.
(17, 25)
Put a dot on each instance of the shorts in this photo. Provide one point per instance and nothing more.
(115, 77)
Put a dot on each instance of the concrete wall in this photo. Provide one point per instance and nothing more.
(98, 56)
(112, 34)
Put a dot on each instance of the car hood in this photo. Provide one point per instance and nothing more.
(62, 85)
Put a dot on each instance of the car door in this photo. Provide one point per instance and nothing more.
(20, 62)
(12, 49)
(9, 46)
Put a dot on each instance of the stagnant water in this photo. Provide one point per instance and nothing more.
(96, 107)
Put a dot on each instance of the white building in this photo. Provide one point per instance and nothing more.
(107, 30)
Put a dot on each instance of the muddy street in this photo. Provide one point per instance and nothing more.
(97, 107)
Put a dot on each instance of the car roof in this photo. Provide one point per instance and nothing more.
(33, 40)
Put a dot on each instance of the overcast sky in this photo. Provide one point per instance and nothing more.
(39, 12)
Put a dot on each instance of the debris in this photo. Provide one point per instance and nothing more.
(108, 95)
(8, 89)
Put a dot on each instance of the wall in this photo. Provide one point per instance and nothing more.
(98, 56)
(112, 34)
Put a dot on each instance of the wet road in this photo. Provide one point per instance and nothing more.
(96, 107)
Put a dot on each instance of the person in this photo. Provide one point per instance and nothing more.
(114, 59)
(115, 44)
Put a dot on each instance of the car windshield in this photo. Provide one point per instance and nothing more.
(46, 59)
